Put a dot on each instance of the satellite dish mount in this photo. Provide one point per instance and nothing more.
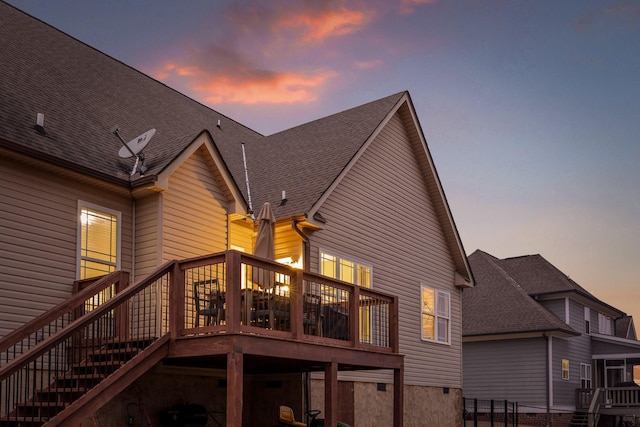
(134, 148)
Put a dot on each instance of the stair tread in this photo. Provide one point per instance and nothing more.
(43, 403)
(99, 363)
(72, 376)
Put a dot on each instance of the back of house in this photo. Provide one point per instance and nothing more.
(344, 189)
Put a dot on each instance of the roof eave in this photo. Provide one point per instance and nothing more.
(495, 336)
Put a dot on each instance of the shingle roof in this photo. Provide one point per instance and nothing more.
(305, 160)
(498, 304)
(538, 276)
(83, 93)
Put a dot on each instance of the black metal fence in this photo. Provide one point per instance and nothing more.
(498, 413)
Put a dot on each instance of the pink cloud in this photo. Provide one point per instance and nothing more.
(220, 75)
(317, 26)
(275, 52)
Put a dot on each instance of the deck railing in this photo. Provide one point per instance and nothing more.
(225, 293)
(76, 346)
(607, 400)
(234, 292)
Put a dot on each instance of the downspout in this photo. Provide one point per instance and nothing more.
(548, 377)
(306, 252)
(133, 239)
(132, 276)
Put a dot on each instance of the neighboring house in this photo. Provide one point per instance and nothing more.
(370, 274)
(534, 336)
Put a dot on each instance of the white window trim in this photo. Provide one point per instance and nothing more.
(562, 370)
(82, 204)
(586, 368)
(436, 341)
(346, 258)
(587, 320)
(605, 324)
(339, 257)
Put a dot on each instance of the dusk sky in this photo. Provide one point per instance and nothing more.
(531, 109)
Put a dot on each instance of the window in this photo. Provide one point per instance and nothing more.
(585, 375)
(352, 272)
(587, 320)
(565, 369)
(436, 315)
(346, 270)
(605, 324)
(98, 241)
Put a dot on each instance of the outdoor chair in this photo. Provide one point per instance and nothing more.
(311, 315)
(286, 417)
(209, 302)
(272, 311)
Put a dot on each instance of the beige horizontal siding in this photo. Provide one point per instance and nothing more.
(381, 213)
(241, 235)
(148, 240)
(38, 238)
(194, 211)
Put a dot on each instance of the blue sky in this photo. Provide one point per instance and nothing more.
(531, 109)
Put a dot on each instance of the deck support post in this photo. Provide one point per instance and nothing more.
(235, 379)
(398, 397)
(331, 394)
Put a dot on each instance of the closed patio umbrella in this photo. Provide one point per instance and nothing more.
(264, 246)
(265, 279)
(264, 241)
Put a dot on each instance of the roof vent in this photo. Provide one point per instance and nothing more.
(40, 123)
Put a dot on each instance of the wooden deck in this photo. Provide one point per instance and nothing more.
(229, 310)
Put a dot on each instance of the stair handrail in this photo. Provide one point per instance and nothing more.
(70, 329)
(594, 408)
(71, 303)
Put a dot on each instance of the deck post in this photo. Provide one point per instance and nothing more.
(176, 301)
(398, 397)
(233, 312)
(354, 317)
(331, 394)
(235, 379)
(297, 290)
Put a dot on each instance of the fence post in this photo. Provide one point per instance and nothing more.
(464, 410)
(506, 413)
(492, 410)
(475, 412)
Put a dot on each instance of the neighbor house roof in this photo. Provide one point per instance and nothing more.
(498, 305)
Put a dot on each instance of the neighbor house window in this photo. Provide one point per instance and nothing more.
(605, 324)
(436, 315)
(585, 375)
(354, 272)
(565, 369)
(98, 241)
(587, 320)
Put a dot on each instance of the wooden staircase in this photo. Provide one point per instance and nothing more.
(64, 365)
(74, 383)
(579, 419)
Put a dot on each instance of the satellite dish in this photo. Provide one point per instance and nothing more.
(136, 145)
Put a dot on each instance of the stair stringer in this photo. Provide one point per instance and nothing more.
(111, 386)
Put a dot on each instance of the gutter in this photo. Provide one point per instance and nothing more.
(306, 252)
